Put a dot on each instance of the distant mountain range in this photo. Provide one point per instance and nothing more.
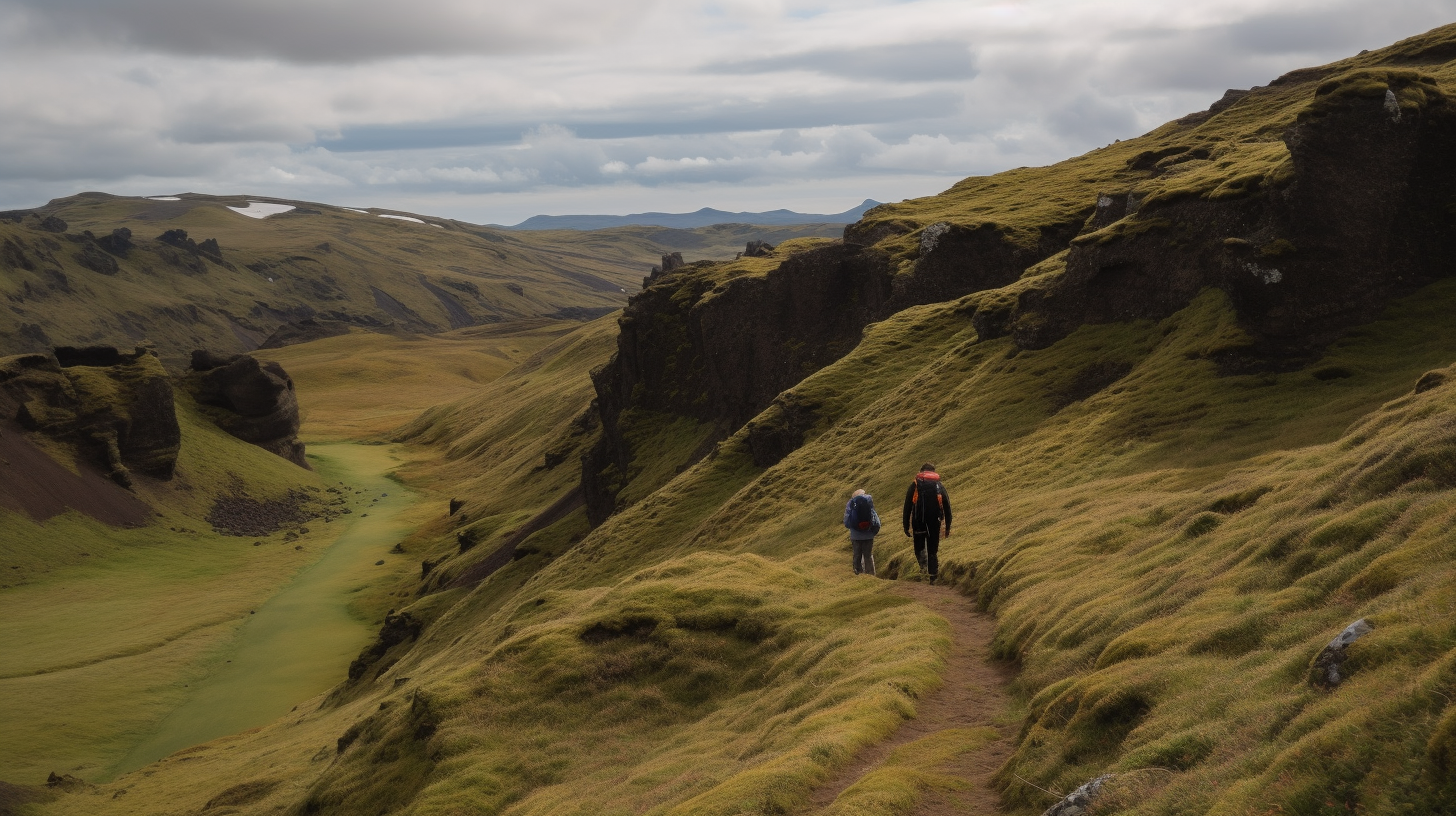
(705, 217)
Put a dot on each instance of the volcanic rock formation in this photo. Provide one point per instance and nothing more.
(251, 400)
(115, 407)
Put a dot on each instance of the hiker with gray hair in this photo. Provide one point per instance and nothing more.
(863, 524)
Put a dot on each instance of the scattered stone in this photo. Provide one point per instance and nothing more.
(1079, 801)
(379, 563)
(398, 548)
(242, 515)
(1325, 670)
(455, 505)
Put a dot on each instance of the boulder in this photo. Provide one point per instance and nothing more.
(252, 400)
(758, 249)
(1327, 670)
(117, 243)
(1079, 801)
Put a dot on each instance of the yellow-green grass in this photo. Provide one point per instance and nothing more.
(899, 783)
(1165, 558)
(362, 385)
(1077, 526)
(300, 640)
(107, 631)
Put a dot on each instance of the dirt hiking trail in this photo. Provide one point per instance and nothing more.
(973, 696)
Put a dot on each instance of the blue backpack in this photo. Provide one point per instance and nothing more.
(862, 515)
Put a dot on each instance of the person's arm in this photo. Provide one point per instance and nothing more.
(905, 516)
(945, 504)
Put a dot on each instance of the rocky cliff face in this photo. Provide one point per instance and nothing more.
(1310, 230)
(115, 408)
(1363, 209)
(251, 400)
(705, 342)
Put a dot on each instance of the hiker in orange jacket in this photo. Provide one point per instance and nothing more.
(927, 506)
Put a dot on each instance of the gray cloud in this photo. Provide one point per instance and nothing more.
(319, 31)
(724, 116)
(903, 62)
(560, 105)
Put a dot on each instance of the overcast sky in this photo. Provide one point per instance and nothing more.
(493, 111)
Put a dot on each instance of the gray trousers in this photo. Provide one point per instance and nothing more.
(863, 558)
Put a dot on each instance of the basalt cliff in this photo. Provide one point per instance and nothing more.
(1311, 203)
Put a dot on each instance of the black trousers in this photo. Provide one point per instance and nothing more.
(927, 549)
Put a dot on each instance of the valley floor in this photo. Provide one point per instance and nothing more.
(299, 642)
(173, 639)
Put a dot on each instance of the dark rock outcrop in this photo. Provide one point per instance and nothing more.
(117, 243)
(117, 408)
(721, 352)
(1360, 215)
(178, 238)
(758, 249)
(251, 400)
(397, 629)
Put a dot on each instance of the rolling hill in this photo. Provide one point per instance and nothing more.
(194, 271)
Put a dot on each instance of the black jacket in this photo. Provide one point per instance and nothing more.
(931, 514)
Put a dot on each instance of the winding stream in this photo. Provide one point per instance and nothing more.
(300, 642)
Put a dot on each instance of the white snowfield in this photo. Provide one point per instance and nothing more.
(259, 209)
(401, 218)
(361, 212)
(163, 198)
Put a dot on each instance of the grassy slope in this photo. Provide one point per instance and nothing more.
(362, 385)
(705, 652)
(1152, 632)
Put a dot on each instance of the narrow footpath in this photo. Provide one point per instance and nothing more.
(974, 696)
(300, 642)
